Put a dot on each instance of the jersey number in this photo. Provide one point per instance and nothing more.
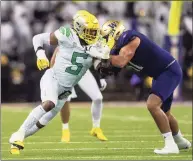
(75, 55)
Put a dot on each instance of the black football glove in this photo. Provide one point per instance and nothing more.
(105, 68)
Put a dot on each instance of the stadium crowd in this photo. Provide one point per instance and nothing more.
(20, 20)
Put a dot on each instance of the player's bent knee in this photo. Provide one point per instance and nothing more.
(98, 97)
(48, 105)
(153, 102)
(151, 106)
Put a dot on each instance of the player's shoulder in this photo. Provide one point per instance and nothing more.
(127, 33)
(65, 34)
(126, 37)
(65, 31)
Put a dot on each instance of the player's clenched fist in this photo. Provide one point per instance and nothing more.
(42, 60)
(104, 45)
(100, 52)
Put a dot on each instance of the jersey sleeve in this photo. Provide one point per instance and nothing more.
(114, 51)
(63, 34)
(123, 40)
(126, 37)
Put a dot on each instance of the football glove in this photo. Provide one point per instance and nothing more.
(42, 60)
(103, 84)
(105, 68)
(99, 51)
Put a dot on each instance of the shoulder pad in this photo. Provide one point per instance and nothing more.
(65, 31)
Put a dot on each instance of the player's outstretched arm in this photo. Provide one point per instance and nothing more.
(44, 38)
(126, 53)
(38, 42)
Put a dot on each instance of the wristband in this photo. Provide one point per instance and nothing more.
(39, 48)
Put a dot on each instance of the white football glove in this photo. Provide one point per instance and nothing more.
(103, 84)
(42, 60)
(98, 51)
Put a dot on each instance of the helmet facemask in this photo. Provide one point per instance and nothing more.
(90, 35)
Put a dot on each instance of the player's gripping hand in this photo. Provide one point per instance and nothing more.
(105, 52)
(42, 60)
(99, 51)
(105, 68)
(103, 84)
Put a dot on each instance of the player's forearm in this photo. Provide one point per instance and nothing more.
(38, 42)
(44, 38)
(119, 61)
(126, 53)
(41, 39)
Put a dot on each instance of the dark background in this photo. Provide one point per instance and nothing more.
(20, 20)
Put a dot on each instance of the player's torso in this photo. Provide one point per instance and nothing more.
(149, 58)
(71, 61)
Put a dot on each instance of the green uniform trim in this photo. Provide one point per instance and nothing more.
(65, 31)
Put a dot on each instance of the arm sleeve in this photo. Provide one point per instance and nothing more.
(114, 51)
(41, 39)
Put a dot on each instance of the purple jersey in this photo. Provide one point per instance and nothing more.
(149, 58)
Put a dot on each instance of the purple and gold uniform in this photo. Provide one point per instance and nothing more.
(155, 62)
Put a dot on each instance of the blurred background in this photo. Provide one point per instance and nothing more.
(20, 20)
